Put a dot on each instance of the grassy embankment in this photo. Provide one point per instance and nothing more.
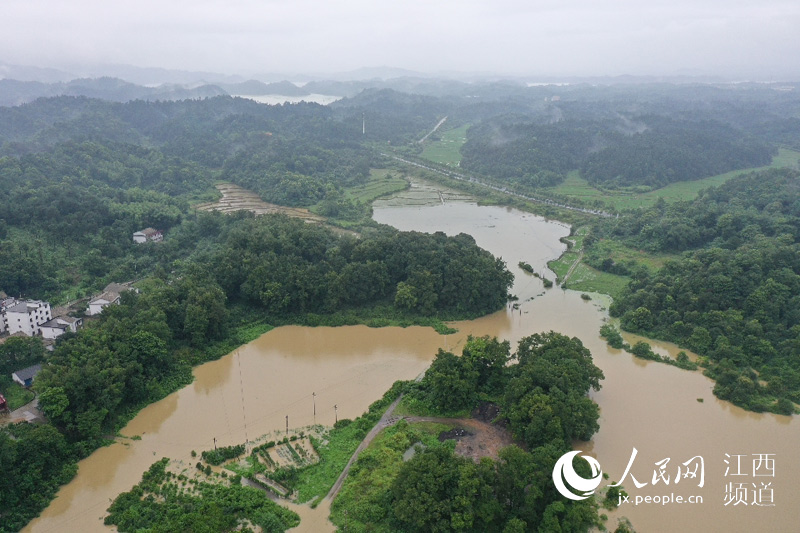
(587, 279)
(583, 277)
(446, 149)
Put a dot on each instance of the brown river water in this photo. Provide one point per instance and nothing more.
(644, 405)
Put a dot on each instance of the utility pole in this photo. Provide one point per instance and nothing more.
(314, 396)
(215, 443)
(336, 413)
(287, 425)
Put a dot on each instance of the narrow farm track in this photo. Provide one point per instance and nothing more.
(436, 127)
(573, 267)
(386, 420)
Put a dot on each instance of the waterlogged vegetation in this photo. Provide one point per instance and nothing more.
(731, 296)
(164, 501)
(71, 201)
(219, 455)
(573, 272)
(643, 350)
(310, 481)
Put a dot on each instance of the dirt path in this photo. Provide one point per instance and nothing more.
(386, 420)
(436, 127)
(482, 439)
(573, 267)
(27, 413)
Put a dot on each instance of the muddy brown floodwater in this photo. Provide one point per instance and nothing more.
(644, 405)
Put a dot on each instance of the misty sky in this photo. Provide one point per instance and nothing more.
(566, 37)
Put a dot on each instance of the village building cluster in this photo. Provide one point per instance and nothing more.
(36, 317)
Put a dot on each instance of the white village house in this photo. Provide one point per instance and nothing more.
(26, 316)
(147, 235)
(110, 295)
(5, 302)
(58, 326)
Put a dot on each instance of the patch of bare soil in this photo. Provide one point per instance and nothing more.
(475, 437)
(481, 440)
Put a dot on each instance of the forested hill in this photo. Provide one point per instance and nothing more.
(734, 296)
(629, 137)
(612, 152)
(79, 176)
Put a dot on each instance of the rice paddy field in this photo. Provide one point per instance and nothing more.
(380, 183)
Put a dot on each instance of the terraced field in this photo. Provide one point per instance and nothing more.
(235, 198)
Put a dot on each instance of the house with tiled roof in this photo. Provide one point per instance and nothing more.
(147, 235)
(110, 295)
(26, 376)
(58, 326)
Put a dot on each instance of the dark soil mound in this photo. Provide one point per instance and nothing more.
(486, 412)
(455, 433)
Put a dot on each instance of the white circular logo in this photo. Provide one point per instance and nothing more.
(563, 471)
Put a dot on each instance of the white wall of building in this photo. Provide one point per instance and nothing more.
(27, 317)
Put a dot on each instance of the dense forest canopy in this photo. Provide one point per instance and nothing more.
(79, 176)
(733, 295)
(542, 399)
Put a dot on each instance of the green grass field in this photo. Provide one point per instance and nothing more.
(16, 396)
(447, 149)
(561, 265)
(587, 279)
(380, 183)
(577, 187)
(624, 254)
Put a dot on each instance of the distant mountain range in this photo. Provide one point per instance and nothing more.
(122, 83)
(14, 92)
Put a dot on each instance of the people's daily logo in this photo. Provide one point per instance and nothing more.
(563, 472)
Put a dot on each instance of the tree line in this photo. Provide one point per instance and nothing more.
(732, 296)
(542, 399)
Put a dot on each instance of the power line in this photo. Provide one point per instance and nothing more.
(241, 387)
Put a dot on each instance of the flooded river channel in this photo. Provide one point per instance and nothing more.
(649, 406)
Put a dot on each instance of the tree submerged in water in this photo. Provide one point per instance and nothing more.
(159, 503)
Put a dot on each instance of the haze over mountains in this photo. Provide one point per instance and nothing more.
(20, 84)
